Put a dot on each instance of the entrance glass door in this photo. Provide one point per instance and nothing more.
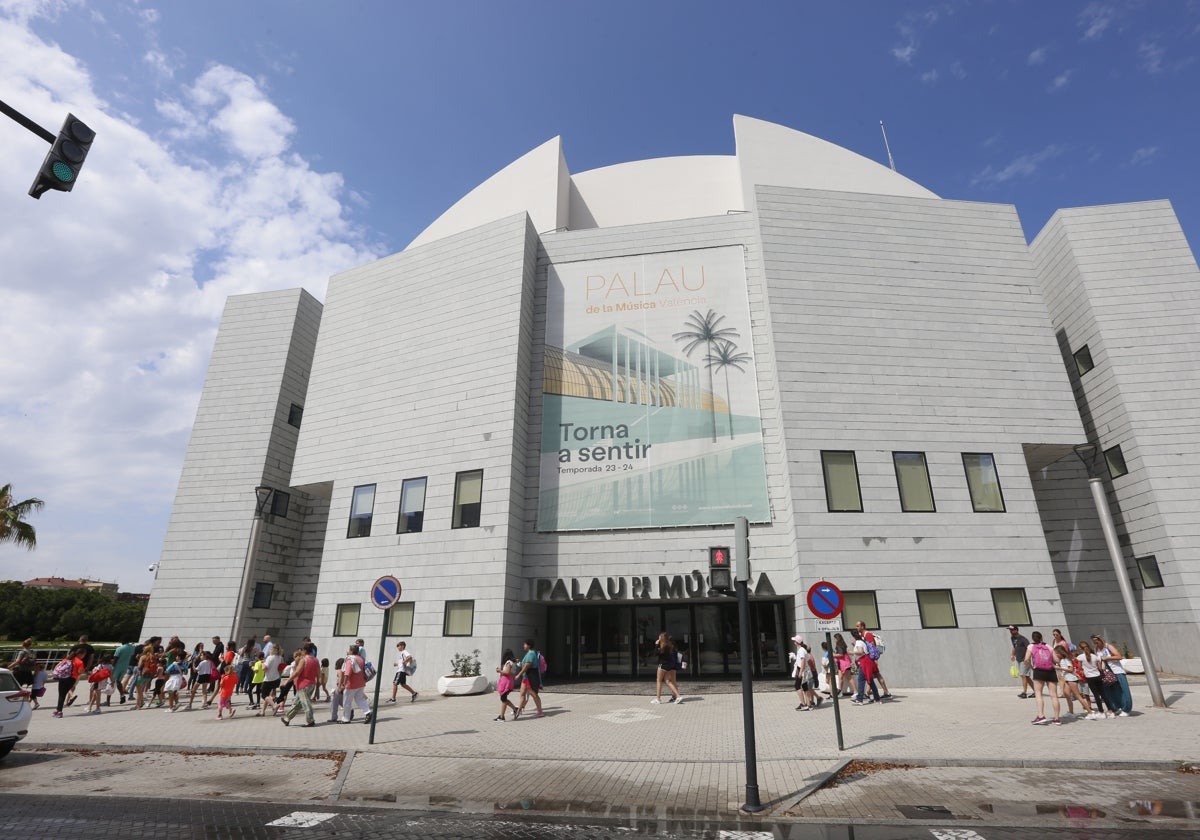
(617, 644)
(647, 621)
(590, 653)
(677, 621)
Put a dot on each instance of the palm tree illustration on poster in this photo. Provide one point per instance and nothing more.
(644, 363)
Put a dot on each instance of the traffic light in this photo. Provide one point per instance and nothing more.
(720, 574)
(61, 167)
(741, 539)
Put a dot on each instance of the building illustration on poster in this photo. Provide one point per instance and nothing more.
(650, 399)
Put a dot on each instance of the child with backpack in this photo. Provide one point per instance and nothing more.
(1041, 659)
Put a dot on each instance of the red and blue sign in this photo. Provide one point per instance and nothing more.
(386, 592)
(825, 600)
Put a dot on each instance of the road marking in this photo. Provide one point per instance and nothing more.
(634, 715)
(302, 819)
(745, 835)
(955, 834)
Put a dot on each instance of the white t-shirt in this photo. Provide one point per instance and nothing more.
(1068, 670)
(401, 663)
(272, 663)
(1091, 665)
(859, 650)
(1114, 665)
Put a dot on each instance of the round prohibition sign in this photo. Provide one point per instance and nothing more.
(386, 592)
(825, 600)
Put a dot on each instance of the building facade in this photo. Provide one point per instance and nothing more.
(543, 414)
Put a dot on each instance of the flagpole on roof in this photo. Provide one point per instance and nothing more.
(891, 161)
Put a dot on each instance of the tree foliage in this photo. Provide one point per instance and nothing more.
(13, 527)
(48, 614)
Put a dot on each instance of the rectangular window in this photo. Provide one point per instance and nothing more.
(937, 608)
(361, 508)
(1083, 360)
(279, 503)
(295, 415)
(468, 498)
(459, 619)
(263, 593)
(984, 482)
(346, 622)
(400, 619)
(860, 606)
(1148, 568)
(1115, 459)
(412, 506)
(912, 477)
(842, 494)
(1011, 607)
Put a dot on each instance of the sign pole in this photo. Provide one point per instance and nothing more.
(835, 689)
(753, 805)
(826, 602)
(379, 673)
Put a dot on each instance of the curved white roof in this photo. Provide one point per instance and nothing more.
(662, 189)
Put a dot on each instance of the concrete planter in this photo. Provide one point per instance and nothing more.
(461, 686)
(1133, 666)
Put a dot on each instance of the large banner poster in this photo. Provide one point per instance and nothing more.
(650, 396)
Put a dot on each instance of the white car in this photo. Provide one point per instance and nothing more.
(15, 712)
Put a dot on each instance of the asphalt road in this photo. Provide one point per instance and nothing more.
(205, 819)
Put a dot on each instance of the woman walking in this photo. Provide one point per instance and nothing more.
(668, 663)
(1041, 659)
(804, 672)
(504, 685)
(1091, 665)
(1117, 693)
(841, 656)
(67, 672)
(1069, 680)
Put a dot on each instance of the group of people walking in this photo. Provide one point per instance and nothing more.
(1063, 667)
(853, 669)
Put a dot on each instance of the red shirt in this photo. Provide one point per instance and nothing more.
(228, 684)
(308, 674)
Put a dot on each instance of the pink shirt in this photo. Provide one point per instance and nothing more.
(310, 670)
(354, 680)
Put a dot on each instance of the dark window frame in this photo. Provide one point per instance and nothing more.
(1024, 601)
(393, 612)
(1146, 563)
(925, 625)
(277, 509)
(337, 620)
(928, 483)
(295, 415)
(848, 625)
(446, 618)
(356, 521)
(825, 478)
(1083, 360)
(260, 588)
(1109, 464)
(402, 522)
(461, 512)
(999, 486)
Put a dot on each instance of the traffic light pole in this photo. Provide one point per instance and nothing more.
(20, 118)
(753, 804)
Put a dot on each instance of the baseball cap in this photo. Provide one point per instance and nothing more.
(1012, 627)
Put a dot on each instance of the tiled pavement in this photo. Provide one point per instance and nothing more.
(609, 753)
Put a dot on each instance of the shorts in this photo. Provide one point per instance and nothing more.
(803, 685)
(1024, 670)
(1046, 675)
(204, 679)
(533, 687)
(39, 692)
(144, 680)
(226, 702)
(401, 678)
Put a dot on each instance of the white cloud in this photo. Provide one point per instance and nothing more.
(1023, 166)
(957, 70)
(1060, 81)
(1144, 156)
(1037, 56)
(904, 52)
(1151, 54)
(110, 295)
(929, 76)
(1095, 18)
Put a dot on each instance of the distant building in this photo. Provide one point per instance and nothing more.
(544, 413)
(109, 589)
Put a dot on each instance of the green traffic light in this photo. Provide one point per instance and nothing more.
(63, 172)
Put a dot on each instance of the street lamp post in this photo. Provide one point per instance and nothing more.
(263, 496)
(1090, 455)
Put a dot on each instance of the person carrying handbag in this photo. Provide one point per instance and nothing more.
(1116, 687)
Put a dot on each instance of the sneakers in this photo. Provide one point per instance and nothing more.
(540, 714)
(1056, 722)
(1093, 716)
(1023, 695)
(516, 713)
(57, 713)
(499, 718)
(414, 697)
(801, 707)
(678, 699)
(1122, 713)
(286, 722)
(856, 702)
(1037, 721)
(232, 712)
(655, 702)
(393, 700)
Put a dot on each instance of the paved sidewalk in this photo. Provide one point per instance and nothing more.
(595, 753)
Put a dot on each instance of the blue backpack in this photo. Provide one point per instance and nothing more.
(872, 650)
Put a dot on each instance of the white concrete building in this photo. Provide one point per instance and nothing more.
(543, 413)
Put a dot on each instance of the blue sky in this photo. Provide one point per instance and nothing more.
(252, 146)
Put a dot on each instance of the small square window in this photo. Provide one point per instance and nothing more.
(860, 606)
(1083, 360)
(1148, 568)
(400, 619)
(937, 608)
(412, 506)
(279, 503)
(459, 619)
(842, 494)
(362, 505)
(263, 593)
(912, 478)
(1115, 459)
(983, 482)
(1011, 607)
(468, 499)
(346, 621)
(295, 415)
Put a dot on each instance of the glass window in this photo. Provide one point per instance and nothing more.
(983, 482)
(263, 593)
(412, 506)
(468, 496)
(1083, 360)
(912, 477)
(361, 508)
(459, 619)
(841, 482)
(400, 619)
(1115, 459)
(1148, 568)
(279, 503)
(860, 606)
(295, 415)
(1011, 607)
(346, 622)
(937, 608)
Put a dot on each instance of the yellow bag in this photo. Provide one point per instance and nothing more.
(1014, 671)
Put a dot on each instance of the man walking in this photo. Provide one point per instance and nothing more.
(868, 636)
(353, 682)
(403, 660)
(304, 678)
(120, 670)
(1019, 645)
(530, 678)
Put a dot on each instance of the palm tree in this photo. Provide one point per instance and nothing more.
(705, 329)
(726, 357)
(12, 527)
